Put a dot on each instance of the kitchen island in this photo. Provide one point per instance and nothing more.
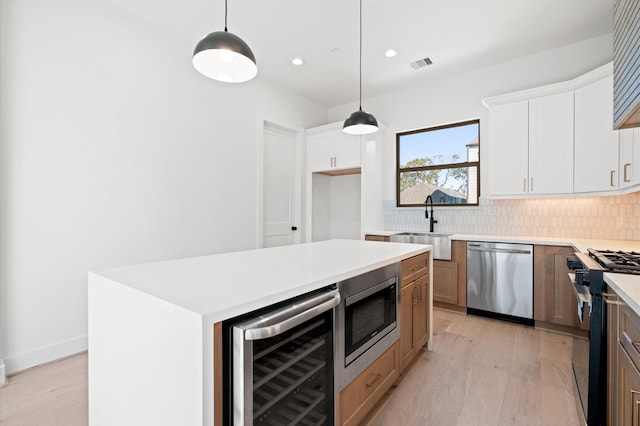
(151, 345)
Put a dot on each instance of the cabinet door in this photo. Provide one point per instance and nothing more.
(596, 143)
(509, 148)
(612, 360)
(407, 350)
(346, 151)
(629, 167)
(320, 152)
(628, 391)
(554, 301)
(445, 281)
(420, 312)
(551, 144)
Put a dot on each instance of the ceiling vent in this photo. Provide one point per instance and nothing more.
(421, 63)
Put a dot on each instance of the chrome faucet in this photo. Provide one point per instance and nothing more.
(432, 219)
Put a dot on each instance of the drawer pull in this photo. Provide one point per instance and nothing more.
(626, 168)
(373, 381)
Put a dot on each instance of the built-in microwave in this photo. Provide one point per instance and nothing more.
(366, 321)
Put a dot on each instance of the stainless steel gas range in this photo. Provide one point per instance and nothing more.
(590, 357)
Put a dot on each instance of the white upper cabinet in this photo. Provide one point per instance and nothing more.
(629, 166)
(509, 169)
(559, 140)
(330, 149)
(596, 143)
(551, 144)
(531, 146)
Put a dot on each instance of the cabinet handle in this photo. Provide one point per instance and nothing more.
(373, 381)
(626, 167)
(611, 177)
(524, 185)
(635, 414)
(531, 186)
(335, 161)
(613, 301)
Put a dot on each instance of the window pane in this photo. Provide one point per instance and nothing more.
(442, 146)
(446, 186)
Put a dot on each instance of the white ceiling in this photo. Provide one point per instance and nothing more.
(458, 35)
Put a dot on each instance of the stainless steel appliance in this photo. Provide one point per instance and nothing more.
(366, 321)
(282, 363)
(500, 281)
(590, 356)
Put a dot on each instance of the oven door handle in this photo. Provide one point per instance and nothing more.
(287, 318)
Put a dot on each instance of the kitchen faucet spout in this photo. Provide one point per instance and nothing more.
(432, 220)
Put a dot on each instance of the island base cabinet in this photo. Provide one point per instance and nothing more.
(414, 307)
(361, 395)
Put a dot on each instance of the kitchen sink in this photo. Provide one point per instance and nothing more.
(440, 242)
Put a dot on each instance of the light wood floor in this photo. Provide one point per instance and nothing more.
(480, 372)
(485, 372)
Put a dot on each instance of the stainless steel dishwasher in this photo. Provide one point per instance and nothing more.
(500, 281)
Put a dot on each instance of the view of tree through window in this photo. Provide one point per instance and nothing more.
(441, 161)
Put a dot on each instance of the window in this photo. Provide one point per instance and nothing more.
(442, 161)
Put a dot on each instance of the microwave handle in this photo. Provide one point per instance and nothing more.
(289, 317)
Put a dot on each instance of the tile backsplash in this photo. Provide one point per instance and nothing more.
(615, 217)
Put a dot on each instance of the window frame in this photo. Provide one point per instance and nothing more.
(439, 166)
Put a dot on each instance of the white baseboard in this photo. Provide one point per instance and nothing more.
(3, 376)
(43, 355)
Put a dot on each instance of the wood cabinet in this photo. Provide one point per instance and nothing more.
(329, 149)
(612, 358)
(623, 360)
(553, 298)
(626, 63)
(523, 134)
(628, 360)
(372, 237)
(629, 166)
(360, 396)
(445, 281)
(596, 143)
(414, 307)
(450, 277)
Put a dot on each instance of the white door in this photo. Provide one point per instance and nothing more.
(280, 187)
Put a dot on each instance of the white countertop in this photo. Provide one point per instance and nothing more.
(223, 286)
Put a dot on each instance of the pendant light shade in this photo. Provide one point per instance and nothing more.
(224, 56)
(360, 122)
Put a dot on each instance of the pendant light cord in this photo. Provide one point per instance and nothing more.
(360, 106)
(225, 16)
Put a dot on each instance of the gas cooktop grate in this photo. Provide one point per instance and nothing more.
(626, 262)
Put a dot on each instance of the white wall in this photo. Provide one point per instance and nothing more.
(114, 150)
(459, 97)
(336, 204)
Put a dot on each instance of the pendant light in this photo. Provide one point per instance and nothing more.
(224, 56)
(360, 122)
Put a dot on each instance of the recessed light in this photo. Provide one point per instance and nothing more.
(297, 61)
(390, 53)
